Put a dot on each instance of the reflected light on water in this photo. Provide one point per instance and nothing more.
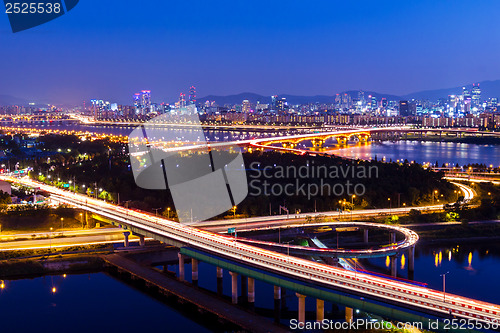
(470, 258)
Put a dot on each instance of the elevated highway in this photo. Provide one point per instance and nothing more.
(205, 244)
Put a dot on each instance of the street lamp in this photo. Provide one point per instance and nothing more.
(62, 224)
(81, 219)
(288, 248)
(168, 212)
(234, 211)
(444, 285)
(50, 240)
(352, 202)
(390, 206)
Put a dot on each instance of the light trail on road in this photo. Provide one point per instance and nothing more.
(404, 294)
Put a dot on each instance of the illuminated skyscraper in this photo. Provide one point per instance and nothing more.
(361, 97)
(281, 105)
(404, 108)
(273, 102)
(192, 95)
(142, 102)
(100, 108)
(245, 106)
(182, 100)
(476, 96)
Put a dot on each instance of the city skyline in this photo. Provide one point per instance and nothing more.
(492, 91)
(229, 48)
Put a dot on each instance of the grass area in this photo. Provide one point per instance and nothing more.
(39, 220)
(39, 267)
(462, 231)
(9, 255)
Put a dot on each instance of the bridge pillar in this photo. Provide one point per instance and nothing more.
(342, 140)
(251, 290)
(277, 304)
(125, 241)
(181, 266)
(244, 288)
(194, 270)
(86, 219)
(349, 314)
(142, 240)
(302, 307)
(394, 265)
(318, 144)
(277, 292)
(283, 298)
(393, 237)
(411, 258)
(220, 272)
(220, 284)
(234, 287)
(365, 235)
(320, 310)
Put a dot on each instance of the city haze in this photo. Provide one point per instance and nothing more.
(111, 50)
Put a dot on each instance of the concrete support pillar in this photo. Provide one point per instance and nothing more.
(194, 269)
(234, 287)
(142, 240)
(393, 237)
(394, 265)
(320, 310)
(277, 292)
(283, 298)
(244, 288)
(365, 235)
(302, 307)
(349, 314)
(411, 259)
(181, 266)
(125, 241)
(220, 273)
(220, 283)
(251, 290)
(277, 304)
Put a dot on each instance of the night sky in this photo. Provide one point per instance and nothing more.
(109, 49)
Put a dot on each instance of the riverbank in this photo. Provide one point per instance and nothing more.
(32, 268)
(478, 140)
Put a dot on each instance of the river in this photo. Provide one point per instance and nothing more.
(425, 152)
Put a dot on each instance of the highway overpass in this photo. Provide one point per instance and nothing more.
(311, 276)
